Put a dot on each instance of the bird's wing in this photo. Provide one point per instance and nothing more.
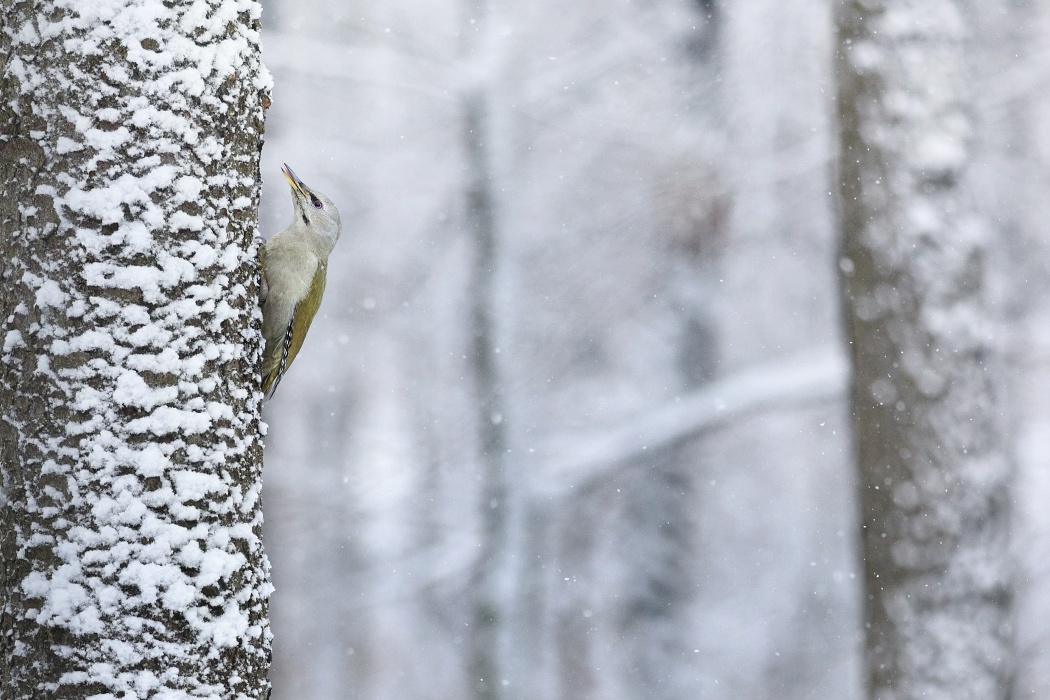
(295, 334)
(305, 311)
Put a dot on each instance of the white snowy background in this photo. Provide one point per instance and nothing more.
(668, 336)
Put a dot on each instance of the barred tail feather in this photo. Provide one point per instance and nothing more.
(273, 377)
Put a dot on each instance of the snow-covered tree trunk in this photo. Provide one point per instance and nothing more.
(934, 471)
(130, 452)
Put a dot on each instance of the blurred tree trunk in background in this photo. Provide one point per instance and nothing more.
(492, 582)
(932, 454)
(130, 452)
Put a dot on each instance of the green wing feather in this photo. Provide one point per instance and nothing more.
(278, 359)
(305, 311)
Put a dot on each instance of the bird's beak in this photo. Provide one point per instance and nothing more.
(296, 183)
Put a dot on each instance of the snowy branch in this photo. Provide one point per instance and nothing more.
(577, 462)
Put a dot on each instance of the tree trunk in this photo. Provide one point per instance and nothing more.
(490, 604)
(130, 450)
(934, 471)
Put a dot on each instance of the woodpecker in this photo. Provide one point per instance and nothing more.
(294, 266)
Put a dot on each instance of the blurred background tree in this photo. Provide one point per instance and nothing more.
(934, 468)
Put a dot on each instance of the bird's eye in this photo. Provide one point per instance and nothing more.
(317, 202)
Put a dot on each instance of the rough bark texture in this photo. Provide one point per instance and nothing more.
(130, 451)
(932, 460)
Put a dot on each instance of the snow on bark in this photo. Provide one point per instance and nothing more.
(130, 438)
(932, 456)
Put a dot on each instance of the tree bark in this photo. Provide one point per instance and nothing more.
(933, 465)
(130, 451)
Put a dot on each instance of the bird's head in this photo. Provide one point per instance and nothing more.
(314, 213)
